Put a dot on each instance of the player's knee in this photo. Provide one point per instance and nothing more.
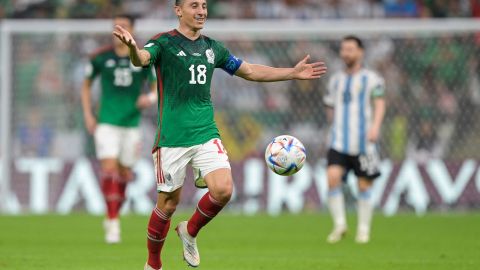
(126, 174)
(110, 165)
(169, 207)
(334, 176)
(334, 181)
(223, 192)
(167, 202)
(364, 185)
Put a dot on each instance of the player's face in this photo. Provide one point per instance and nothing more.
(125, 23)
(350, 53)
(192, 13)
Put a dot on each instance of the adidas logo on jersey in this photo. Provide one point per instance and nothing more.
(181, 53)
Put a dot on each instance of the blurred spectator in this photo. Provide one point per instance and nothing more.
(244, 9)
(34, 136)
(401, 8)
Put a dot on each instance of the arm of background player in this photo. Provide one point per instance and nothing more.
(90, 121)
(302, 71)
(378, 115)
(139, 57)
(147, 100)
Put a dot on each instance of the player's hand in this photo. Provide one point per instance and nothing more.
(90, 124)
(373, 134)
(144, 102)
(124, 36)
(305, 71)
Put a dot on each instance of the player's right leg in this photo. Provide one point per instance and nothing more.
(170, 170)
(107, 146)
(159, 225)
(110, 183)
(336, 201)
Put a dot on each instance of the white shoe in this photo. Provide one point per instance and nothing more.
(112, 231)
(148, 267)
(190, 250)
(362, 237)
(336, 235)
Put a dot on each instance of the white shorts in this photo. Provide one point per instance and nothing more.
(171, 163)
(114, 142)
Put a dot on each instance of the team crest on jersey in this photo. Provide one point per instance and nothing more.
(210, 56)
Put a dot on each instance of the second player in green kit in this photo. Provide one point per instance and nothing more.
(115, 127)
(185, 62)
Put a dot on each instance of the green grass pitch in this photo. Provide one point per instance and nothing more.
(234, 242)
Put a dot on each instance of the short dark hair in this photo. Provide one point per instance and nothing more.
(129, 17)
(355, 39)
(178, 2)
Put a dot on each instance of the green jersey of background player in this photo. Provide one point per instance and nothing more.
(185, 60)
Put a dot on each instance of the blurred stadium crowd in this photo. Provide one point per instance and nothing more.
(433, 83)
(248, 9)
(433, 88)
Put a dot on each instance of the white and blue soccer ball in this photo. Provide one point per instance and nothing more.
(285, 155)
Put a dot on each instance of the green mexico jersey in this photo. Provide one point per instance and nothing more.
(184, 73)
(121, 84)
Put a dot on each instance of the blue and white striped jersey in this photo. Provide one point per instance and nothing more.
(351, 95)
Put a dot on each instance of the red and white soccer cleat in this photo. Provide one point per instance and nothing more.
(190, 250)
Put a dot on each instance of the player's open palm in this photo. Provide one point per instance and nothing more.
(309, 71)
(124, 36)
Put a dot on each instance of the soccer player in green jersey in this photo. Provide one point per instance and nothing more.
(116, 132)
(184, 61)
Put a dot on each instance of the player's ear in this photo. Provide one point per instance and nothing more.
(178, 11)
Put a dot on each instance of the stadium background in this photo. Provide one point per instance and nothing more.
(429, 193)
(427, 52)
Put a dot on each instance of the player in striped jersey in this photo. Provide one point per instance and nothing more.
(185, 62)
(356, 107)
(116, 132)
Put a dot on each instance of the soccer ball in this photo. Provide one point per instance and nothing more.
(285, 155)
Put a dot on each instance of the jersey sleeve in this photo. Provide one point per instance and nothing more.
(154, 48)
(378, 88)
(92, 69)
(329, 97)
(227, 61)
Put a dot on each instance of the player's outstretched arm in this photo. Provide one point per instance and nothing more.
(302, 71)
(139, 57)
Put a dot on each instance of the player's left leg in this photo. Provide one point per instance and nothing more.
(366, 169)
(107, 146)
(220, 186)
(364, 209)
(212, 162)
(130, 146)
(126, 176)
